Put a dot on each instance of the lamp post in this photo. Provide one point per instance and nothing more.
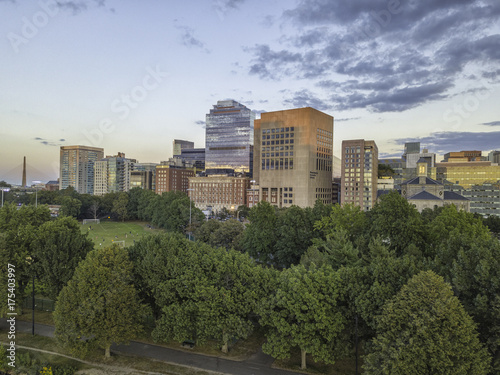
(36, 192)
(4, 189)
(190, 204)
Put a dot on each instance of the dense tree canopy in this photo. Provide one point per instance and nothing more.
(304, 312)
(425, 330)
(99, 304)
(202, 292)
(58, 247)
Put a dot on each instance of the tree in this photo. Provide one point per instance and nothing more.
(204, 232)
(57, 249)
(304, 312)
(228, 235)
(425, 330)
(18, 229)
(475, 278)
(99, 306)
(259, 237)
(120, 206)
(397, 222)
(70, 207)
(201, 292)
(348, 217)
(294, 234)
(94, 207)
(385, 170)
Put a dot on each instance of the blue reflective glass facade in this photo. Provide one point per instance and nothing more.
(229, 137)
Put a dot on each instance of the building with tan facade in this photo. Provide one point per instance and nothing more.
(77, 167)
(293, 158)
(468, 173)
(217, 192)
(359, 173)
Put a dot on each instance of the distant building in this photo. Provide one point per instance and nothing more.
(468, 173)
(424, 192)
(112, 174)
(494, 157)
(229, 138)
(385, 183)
(411, 148)
(143, 176)
(294, 157)
(359, 173)
(195, 156)
(217, 192)
(179, 145)
(52, 186)
(170, 178)
(398, 165)
(462, 156)
(77, 167)
(484, 199)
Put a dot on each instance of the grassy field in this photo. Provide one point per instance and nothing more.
(107, 232)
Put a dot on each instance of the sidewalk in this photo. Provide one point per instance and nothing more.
(257, 364)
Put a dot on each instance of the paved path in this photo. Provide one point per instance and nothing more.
(257, 364)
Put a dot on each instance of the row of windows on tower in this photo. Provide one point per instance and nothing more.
(277, 142)
(277, 164)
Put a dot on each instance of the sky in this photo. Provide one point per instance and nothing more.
(130, 76)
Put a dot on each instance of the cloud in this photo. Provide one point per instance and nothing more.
(443, 142)
(77, 7)
(189, 40)
(493, 123)
(222, 7)
(201, 123)
(385, 56)
(47, 142)
(304, 98)
(346, 119)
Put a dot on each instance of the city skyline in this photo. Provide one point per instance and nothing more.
(132, 77)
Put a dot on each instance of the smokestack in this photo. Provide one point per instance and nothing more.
(24, 173)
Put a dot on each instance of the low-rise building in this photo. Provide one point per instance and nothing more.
(218, 192)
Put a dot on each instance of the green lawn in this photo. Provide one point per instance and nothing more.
(107, 232)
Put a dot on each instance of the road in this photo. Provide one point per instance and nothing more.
(257, 364)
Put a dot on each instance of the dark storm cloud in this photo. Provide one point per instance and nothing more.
(443, 142)
(493, 123)
(384, 55)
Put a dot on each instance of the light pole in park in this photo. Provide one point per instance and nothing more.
(36, 192)
(190, 204)
(6, 190)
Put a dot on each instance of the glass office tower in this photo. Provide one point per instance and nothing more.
(229, 138)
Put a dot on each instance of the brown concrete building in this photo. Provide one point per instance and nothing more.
(172, 179)
(217, 192)
(359, 173)
(293, 157)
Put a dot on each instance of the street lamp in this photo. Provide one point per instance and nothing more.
(4, 189)
(36, 192)
(190, 204)
(29, 260)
